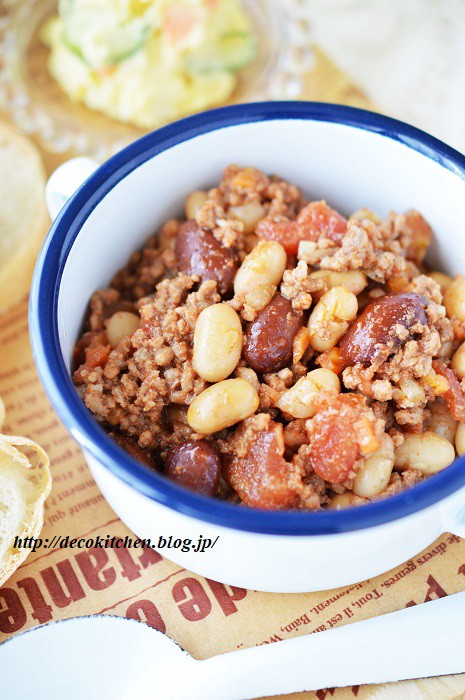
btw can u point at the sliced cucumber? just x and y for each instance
(100, 39)
(230, 53)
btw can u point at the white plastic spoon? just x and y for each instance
(110, 657)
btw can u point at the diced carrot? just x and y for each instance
(332, 359)
(179, 23)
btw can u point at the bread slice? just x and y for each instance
(25, 482)
(23, 214)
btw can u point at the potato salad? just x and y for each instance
(147, 62)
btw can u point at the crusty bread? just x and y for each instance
(25, 482)
(23, 214)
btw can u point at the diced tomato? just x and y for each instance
(315, 220)
(261, 477)
(91, 351)
(284, 232)
(337, 434)
(334, 447)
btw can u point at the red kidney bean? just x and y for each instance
(374, 329)
(198, 252)
(135, 450)
(268, 339)
(261, 478)
(196, 465)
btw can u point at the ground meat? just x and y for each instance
(399, 482)
(147, 267)
(410, 232)
(153, 369)
(361, 250)
(140, 386)
(427, 287)
(295, 433)
(298, 287)
(240, 441)
(103, 305)
(247, 311)
(118, 359)
(226, 231)
(413, 418)
(249, 192)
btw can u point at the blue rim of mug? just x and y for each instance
(43, 321)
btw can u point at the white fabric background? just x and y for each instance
(408, 55)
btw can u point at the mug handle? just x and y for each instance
(64, 182)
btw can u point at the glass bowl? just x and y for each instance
(38, 106)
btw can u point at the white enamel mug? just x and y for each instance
(351, 158)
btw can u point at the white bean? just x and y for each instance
(121, 325)
(249, 214)
(217, 342)
(454, 298)
(458, 361)
(460, 439)
(340, 501)
(427, 452)
(374, 476)
(263, 267)
(353, 280)
(330, 318)
(194, 202)
(222, 405)
(299, 400)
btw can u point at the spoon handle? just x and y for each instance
(416, 642)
